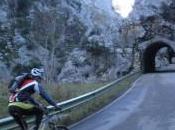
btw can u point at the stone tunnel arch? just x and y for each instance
(149, 50)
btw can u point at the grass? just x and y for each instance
(3, 100)
(68, 91)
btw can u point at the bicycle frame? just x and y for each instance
(51, 123)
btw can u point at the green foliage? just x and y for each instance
(75, 33)
(19, 8)
(17, 12)
(96, 50)
(8, 53)
(75, 4)
(3, 100)
(23, 26)
(30, 46)
(95, 31)
(2, 2)
(19, 68)
(167, 11)
(35, 62)
(54, 31)
(7, 48)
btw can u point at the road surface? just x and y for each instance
(148, 105)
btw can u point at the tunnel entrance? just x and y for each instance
(149, 50)
(150, 55)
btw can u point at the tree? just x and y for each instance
(48, 31)
(129, 33)
(54, 29)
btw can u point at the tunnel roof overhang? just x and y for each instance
(143, 46)
(149, 49)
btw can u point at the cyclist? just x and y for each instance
(21, 102)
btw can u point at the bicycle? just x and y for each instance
(49, 122)
(52, 125)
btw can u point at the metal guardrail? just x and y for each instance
(8, 123)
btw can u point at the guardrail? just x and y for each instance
(9, 124)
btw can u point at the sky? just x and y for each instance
(123, 7)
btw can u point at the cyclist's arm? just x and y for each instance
(46, 96)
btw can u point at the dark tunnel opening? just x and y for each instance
(148, 63)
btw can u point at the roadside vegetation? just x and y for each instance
(3, 100)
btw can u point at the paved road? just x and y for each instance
(149, 105)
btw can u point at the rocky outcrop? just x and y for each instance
(63, 36)
(84, 66)
(146, 8)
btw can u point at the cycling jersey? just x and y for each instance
(22, 105)
(25, 92)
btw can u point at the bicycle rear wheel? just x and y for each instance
(61, 127)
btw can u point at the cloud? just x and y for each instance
(123, 7)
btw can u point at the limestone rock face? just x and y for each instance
(74, 40)
(144, 8)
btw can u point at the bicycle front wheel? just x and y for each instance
(62, 128)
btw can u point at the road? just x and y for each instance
(148, 105)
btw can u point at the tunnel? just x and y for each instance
(149, 50)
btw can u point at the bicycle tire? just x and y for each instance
(61, 127)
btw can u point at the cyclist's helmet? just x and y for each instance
(35, 72)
